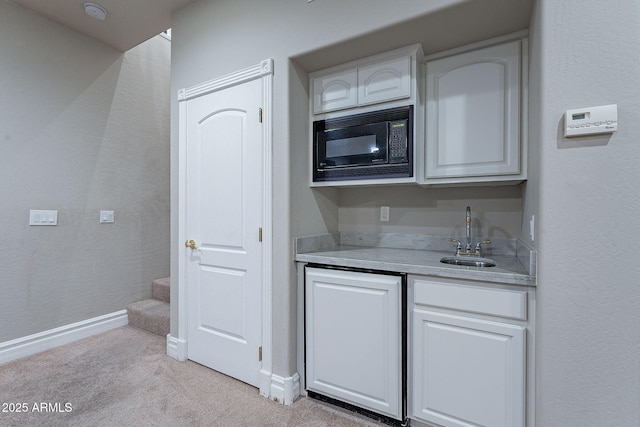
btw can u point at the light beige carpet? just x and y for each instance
(124, 378)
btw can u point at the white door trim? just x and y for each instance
(177, 346)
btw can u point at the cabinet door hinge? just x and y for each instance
(260, 114)
(260, 354)
(260, 234)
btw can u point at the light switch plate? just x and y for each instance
(107, 217)
(43, 217)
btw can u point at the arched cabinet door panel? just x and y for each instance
(473, 114)
(384, 81)
(335, 91)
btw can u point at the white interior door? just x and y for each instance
(224, 205)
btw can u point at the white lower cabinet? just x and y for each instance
(353, 338)
(468, 354)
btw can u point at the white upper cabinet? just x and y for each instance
(384, 81)
(382, 78)
(473, 116)
(335, 91)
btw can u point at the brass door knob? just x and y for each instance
(190, 244)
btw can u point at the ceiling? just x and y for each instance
(128, 23)
(464, 23)
(131, 22)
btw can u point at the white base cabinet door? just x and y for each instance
(353, 338)
(467, 371)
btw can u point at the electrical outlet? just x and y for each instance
(384, 213)
(532, 225)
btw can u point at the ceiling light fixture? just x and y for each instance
(95, 11)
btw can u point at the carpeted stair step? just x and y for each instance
(151, 315)
(161, 289)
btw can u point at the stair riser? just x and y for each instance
(155, 326)
(161, 289)
(150, 315)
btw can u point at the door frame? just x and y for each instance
(177, 346)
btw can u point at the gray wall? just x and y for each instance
(588, 347)
(82, 128)
(495, 211)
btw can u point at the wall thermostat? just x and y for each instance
(591, 120)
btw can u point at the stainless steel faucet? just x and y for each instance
(467, 250)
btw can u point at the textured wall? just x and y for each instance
(82, 128)
(495, 211)
(588, 353)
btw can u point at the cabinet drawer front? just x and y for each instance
(494, 302)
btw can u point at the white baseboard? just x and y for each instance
(32, 344)
(274, 387)
(176, 348)
(285, 390)
(265, 383)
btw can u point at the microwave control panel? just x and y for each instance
(591, 120)
(398, 141)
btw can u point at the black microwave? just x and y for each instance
(371, 145)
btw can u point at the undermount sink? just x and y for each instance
(468, 261)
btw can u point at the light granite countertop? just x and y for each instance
(417, 254)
